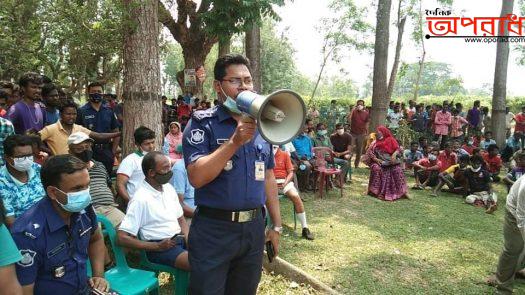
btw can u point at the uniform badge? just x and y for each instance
(60, 272)
(28, 258)
(229, 165)
(197, 136)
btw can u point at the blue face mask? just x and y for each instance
(76, 201)
(230, 104)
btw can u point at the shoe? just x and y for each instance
(307, 234)
(491, 209)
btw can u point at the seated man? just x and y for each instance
(284, 172)
(321, 138)
(512, 145)
(412, 155)
(129, 173)
(456, 147)
(453, 177)
(182, 185)
(426, 171)
(468, 145)
(479, 188)
(304, 152)
(60, 233)
(342, 143)
(20, 185)
(155, 215)
(447, 157)
(487, 141)
(515, 172)
(493, 161)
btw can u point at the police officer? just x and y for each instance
(230, 165)
(99, 117)
(58, 233)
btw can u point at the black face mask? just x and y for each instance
(95, 97)
(85, 156)
(163, 178)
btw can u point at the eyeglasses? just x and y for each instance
(237, 82)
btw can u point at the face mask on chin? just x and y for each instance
(230, 104)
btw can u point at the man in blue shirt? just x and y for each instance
(231, 167)
(51, 100)
(20, 186)
(96, 116)
(182, 185)
(304, 152)
(59, 233)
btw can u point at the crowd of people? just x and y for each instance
(213, 179)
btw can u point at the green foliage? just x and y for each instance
(436, 79)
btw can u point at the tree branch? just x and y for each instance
(178, 30)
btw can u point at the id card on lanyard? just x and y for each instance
(259, 165)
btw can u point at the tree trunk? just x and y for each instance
(253, 53)
(499, 93)
(423, 53)
(141, 85)
(379, 88)
(224, 46)
(400, 30)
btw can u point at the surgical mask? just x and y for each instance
(360, 107)
(23, 164)
(302, 167)
(95, 97)
(76, 201)
(432, 157)
(275, 148)
(475, 169)
(322, 132)
(340, 131)
(85, 156)
(163, 178)
(230, 104)
(470, 142)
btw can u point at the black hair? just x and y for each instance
(149, 161)
(94, 84)
(492, 147)
(30, 77)
(7, 85)
(488, 132)
(56, 166)
(476, 103)
(338, 125)
(143, 133)
(15, 140)
(414, 143)
(67, 104)
(3, 94)
(319, 125)
(360, 100)
(476, 159)
(223, 62)
(464, 158)
(47, 88)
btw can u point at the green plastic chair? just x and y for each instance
(122, 278)
(181, 278)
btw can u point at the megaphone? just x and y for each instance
(280, 116)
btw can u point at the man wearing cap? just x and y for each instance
(231, 167)
(56, 135)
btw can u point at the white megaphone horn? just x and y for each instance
(280, 116)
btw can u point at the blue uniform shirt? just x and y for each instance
(53, 257)
(103, 121)
(236, 187)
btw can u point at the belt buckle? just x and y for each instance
(244, 216)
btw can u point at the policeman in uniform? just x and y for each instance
(230, 165)
(97, 116)
(58, 233)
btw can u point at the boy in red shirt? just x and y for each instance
(493, 161)
(426, 171)
(447, 157)
(284, 173)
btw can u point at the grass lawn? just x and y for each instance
(421, 246)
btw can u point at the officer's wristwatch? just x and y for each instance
(278, 229)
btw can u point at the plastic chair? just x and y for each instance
(122, 278)
(181, 278)
(324, 173)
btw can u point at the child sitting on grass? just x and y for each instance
(426, 171)
(453, 177)
(479, 187)
(517, 171)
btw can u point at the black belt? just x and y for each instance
(233, 216)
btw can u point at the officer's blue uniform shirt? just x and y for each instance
(236, 187)
(53, 258)
(103, 121)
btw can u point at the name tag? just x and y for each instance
(259, 170)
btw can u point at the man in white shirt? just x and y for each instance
(155, 215)
(129, 173)
(513, 240)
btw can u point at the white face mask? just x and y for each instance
(340, 131)
(360, 107)
(476, 169)
(23, 164)
(432, 157)
(275, 148)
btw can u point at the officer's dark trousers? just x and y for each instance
(103, 154)
(225, 257)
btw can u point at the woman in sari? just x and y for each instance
(387, 181)
(172, 140)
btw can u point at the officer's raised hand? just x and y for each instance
(245, 130)
(99, 283)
